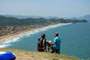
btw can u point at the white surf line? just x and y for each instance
(8, 41)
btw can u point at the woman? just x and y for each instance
(42, 43)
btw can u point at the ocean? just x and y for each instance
(75, 40)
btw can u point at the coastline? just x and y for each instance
(16, 36)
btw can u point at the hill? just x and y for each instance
(87, 17)
(27, 55)
(21, 17)
(12, 21)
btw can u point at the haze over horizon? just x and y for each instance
(45, 8)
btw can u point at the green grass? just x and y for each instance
(27, 55)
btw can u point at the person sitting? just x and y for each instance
(42, 43)
(56, 46)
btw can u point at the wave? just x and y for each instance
(10, 40)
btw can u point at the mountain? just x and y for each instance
(87, 17)
(22, 17)
(12, 21)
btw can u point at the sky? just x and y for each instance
(45, 8)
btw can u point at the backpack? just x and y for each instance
(39, 45)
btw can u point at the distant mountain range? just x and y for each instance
(87, 17)
(13, 21)
(22, 17)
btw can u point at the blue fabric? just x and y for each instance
(57, 42)
(6, 56)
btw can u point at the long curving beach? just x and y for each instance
(4, 41)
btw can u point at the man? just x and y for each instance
(56, 46)
(42, 43)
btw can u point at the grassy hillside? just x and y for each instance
(27, 55)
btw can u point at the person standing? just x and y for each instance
(57, 42)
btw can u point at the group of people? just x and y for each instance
(53, 47)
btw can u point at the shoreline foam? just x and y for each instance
(6, 42)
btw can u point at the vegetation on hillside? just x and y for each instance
(11, 21)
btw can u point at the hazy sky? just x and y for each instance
(59, 8)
